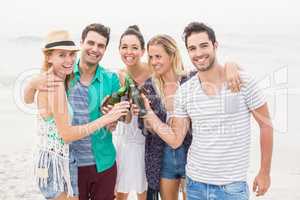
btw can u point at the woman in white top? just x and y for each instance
(130, 143)
(55, 131)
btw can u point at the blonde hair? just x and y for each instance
(170, 46)
(46, 66)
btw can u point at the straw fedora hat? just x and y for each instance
(60, 40)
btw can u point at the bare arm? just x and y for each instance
(43, 82)
(232, 76)
(262, 180)
(59, 108)
(173, 134)
(29, 93)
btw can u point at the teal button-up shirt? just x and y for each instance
(103, 84)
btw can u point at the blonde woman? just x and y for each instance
(54, 119)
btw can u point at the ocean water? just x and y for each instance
(271, 57)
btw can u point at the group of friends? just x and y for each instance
(195, 137)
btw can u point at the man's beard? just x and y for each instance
(210, 65)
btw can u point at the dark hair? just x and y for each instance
(134, 30)
(197, 27)
(98, 28)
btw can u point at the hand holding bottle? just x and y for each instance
(118, 110)
(135, 95)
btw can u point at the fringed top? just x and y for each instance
(53, 157)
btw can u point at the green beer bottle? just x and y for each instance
(115, 97)
(125, 93)
(121, 95)
(135, 95)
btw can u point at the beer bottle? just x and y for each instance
(135, 95)
(121, 95)
(115, 97)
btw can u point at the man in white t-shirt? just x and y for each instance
(218, 158)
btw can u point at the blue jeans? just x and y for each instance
(173, 163)
(202, 191)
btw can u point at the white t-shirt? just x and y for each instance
(219, 153)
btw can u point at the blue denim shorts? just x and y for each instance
(73, 166)
(173, 164)
(49, 191)
(232, 191)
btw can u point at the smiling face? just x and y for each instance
(159, 59)
(93, 48)
(62, 61)
(202, 51)
(130, 50)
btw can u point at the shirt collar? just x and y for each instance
(97, 76)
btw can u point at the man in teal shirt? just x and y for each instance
(85, 100)
(94, 155)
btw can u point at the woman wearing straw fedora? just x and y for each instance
(54, 118)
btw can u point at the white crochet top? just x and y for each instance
(53, 156)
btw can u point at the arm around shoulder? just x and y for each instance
(29, 92)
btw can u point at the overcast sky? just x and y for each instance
(32, 17)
